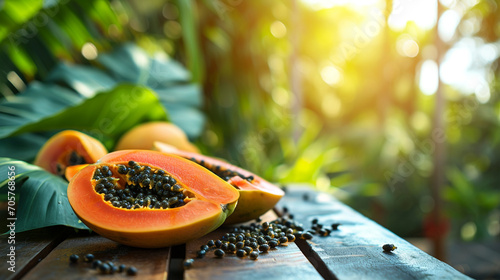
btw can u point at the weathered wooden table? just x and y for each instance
(354, 251)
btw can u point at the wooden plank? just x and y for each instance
(354, 251)
(30, 248)
(286, 262)
(480, 260)
(151, 263)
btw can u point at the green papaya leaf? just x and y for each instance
(163, 72)
(23, 147)
(127, 63)
(41, 197)
(83, 79)
(169, 79)
(40, 107)
(36, 102)
(188, 118)
(14, 13)
(105, 116)
(185, 94)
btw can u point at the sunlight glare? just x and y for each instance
(489, 52)
(448, 23)
(327, 4)
(448, 3)
(423, 13)
(465, 67)
(456, 62)
(331, 75)
(429, 77)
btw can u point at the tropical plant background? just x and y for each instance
(390, 105)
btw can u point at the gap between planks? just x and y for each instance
(32, 247)
(311, 255)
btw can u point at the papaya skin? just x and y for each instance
(213, 200)
(55, 153)
(144, 135)
(256, 197)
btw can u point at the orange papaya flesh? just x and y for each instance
(257, 195)
(143, 216)
(71, 171)
(68, 148)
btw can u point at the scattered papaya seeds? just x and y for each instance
(251, 240)
(88, 258)
(321, 230)
(219, 253)
(224, 174)
(389, 248)
(134, 186)
(104, 267)
(254, 255)
(96, 264)
(188, 263)
(74, 258)
(131, 271)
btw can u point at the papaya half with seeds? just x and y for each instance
(257, 195)
(150, 199)
(67, 148)
(144, 135)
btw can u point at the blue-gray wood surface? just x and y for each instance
(354, 251)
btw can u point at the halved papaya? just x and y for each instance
(150, 199)
(67, 148)
(257, 195)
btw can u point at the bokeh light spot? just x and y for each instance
(331, 75)
(172, 29)
(89, 51)
(483, 93)
(406, 46)
(281, 96)
(278, 29)
(468, 231)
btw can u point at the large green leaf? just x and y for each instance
(127, 63)
(185, 94)
(41, 197)
(83, 79)
(36, 102)
(106, 116)
(188, 118)
(14, 13)
(165, 76)
(38, 108)
(163, 73)
(23, 147)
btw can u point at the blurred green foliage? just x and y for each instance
(354, 120)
